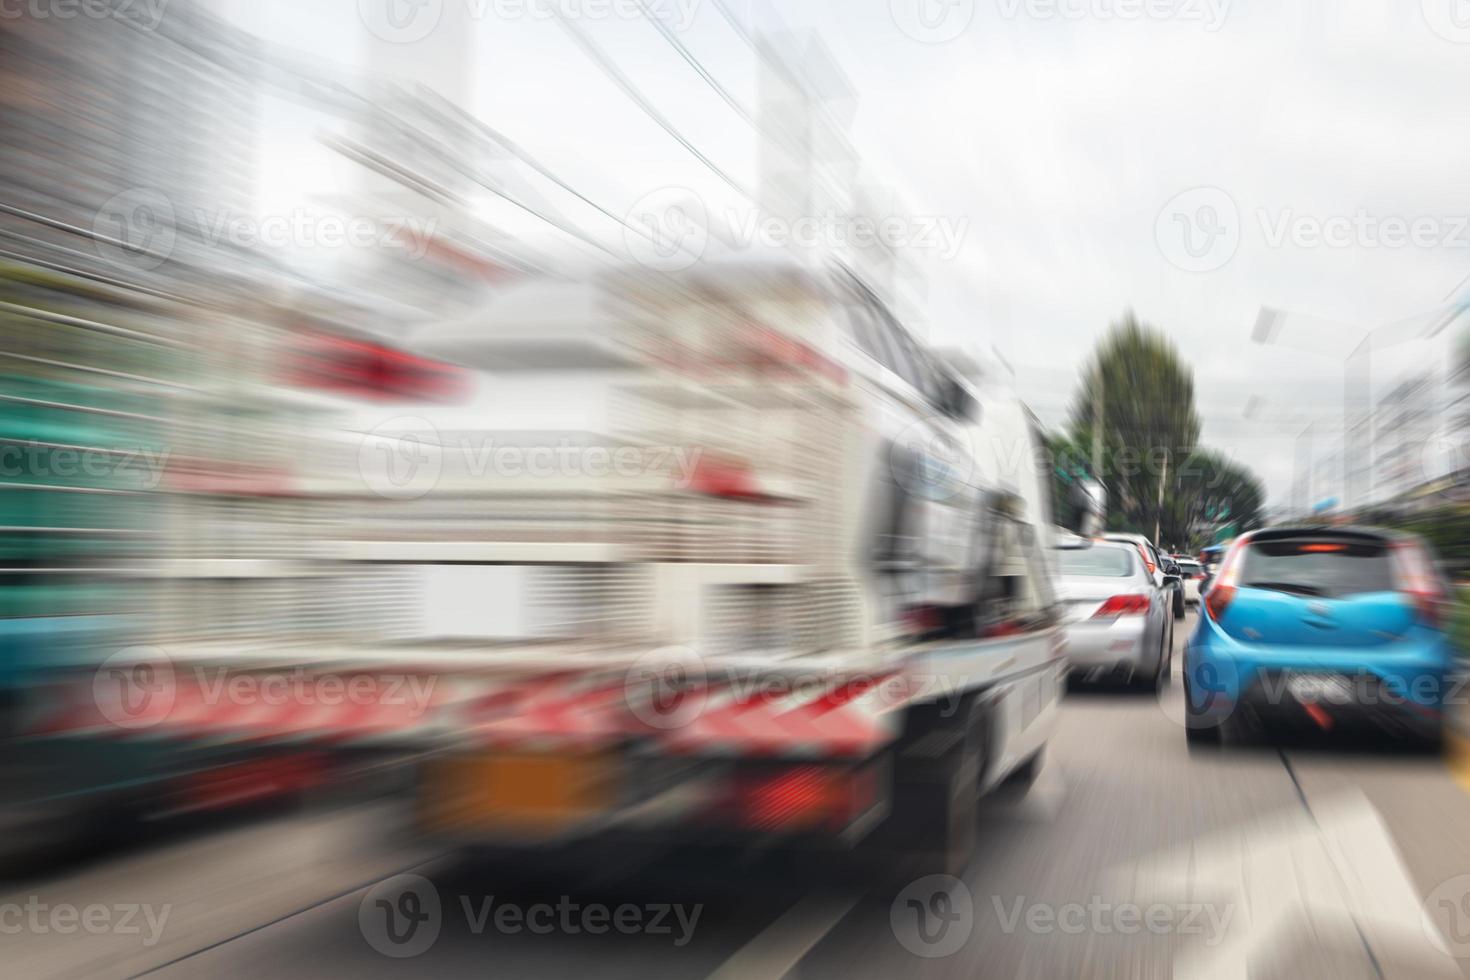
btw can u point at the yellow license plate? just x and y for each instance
(520, 792)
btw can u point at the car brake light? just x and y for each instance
(1122, 605)
(1222, 588)
(1418, 580)
(1323, 547)
(1217, 599)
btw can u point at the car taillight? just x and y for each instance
(1222, 587)
(1418, 580)
(1122, 605)
(1217, 599)
(365, 369)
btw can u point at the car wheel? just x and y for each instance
(1178, 604)
(1199, 730)
(1153, 681)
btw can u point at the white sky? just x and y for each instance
(1059, 139)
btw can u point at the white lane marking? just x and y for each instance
(776, 950)
(1289, 877)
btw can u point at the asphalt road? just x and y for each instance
(1131, 857)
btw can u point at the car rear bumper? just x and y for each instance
(1406, 684)
(1116, 645)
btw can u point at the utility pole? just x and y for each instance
(1098, 388)
(1159, 510)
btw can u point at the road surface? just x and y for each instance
(1131, 857)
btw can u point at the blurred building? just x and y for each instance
(1404, 421)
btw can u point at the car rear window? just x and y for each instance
(1098, 562)
(1318, 566)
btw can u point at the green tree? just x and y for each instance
(1149, 425)
(1210, 491)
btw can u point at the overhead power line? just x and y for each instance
(613, 72)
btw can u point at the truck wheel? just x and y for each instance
(936, 794)
(1025, 775)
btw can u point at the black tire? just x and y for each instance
(1199, 731)
(1432, 741)
(1024, 776)
(1178, 603)
(933, 825)
(1160, 677)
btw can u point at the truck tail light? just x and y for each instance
(802, 797)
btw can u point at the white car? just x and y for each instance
(1116, 616)
(1191, 573)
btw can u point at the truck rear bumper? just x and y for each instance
(538, 800)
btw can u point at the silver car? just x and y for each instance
(1118, 618)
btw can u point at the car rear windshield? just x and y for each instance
(1318, 566)
(1099, 562)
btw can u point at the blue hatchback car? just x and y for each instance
(1335, 627)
